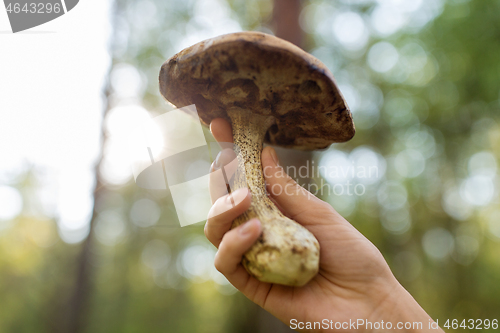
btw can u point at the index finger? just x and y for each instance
(222, 169)
(221, 173)
(221, 130)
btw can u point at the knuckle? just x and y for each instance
(223, 243)
(289, 181)
(291, 186)
(205, 229)
(325, 206)
(226, 245)
(215, 212)
(220, 201)
(326, 210)
(218, 263)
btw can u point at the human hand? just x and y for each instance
(354, 281)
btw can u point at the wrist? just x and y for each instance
(400, 312)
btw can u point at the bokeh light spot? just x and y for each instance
(11, 202)
(382, 57)
(145, 213)
(438, 243)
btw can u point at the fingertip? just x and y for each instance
(250, 229)
(214, 125)
(224, 158)
(267, 156)
(240, 195)
(255, 224)
(221, 130)
(231, 205)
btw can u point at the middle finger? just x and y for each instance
(223, 213)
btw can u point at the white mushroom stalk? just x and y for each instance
(286, 252)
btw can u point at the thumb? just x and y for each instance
(290, 196)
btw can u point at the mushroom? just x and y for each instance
(271, 91)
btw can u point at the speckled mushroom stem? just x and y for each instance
(248, 134)
(286, 252)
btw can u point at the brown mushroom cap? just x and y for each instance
(266, 75)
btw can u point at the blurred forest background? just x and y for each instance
(422, 80)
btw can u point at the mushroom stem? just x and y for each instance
(286, 252)
(248, 134)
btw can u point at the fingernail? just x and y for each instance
(274, 156)
(237, 196)
(247, 227)
(223, 158)
(217, 161)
